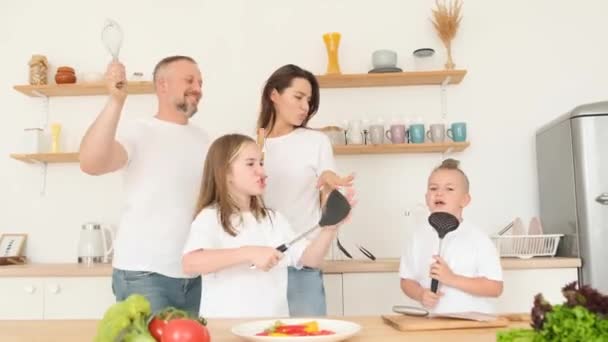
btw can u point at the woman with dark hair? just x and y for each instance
(300, 166)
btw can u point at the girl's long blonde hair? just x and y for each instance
(214, 186)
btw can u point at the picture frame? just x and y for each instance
(12, 245)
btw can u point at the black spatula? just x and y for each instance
(443, 223)
(335, 210)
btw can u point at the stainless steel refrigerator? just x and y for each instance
(572, 161)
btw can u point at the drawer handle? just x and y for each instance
(54, 289)
(29, 289)
(602, 199)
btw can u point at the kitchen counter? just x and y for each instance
(329, 267)
(373, 329)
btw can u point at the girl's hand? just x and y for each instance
(441, 271)
(429, 299)
(264, 258)
(329, 180)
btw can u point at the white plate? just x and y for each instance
(342, 329)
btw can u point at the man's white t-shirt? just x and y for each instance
(162, 181)
(240, 291)
(468, 252)
(293, 163)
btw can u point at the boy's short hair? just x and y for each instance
(453, 164)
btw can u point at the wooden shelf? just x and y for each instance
(391, 79)
(82, 89)
(71, 157)
(401, 148)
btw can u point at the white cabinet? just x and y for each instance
(55, 298)
(333, 294)
(520, 287)
(365, 294)
(372, 293)
(21, 298)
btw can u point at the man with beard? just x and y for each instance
(162, 158)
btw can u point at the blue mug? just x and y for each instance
(458, 132)
(416, 133)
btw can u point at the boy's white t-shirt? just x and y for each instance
(240, 291)
(162, 182)
(468, 252)
(293, 163)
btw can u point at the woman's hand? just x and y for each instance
(329, 180)
(441, 271)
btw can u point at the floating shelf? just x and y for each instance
(391, 79)
(71, 157)
(82, 89)
(402, 148)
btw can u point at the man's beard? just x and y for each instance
(187, 109)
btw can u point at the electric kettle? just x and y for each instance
(93, 245)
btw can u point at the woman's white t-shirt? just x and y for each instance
(468, 252)
(293, 163)
(240, 291)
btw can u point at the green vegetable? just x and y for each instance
(125, 321)
(582, 317)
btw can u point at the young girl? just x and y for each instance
(300, 163)
(468, 269)
(233, 230)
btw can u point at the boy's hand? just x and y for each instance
(441, 271)
(429, 299)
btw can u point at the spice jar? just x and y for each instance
(65, 74)
(38, 70)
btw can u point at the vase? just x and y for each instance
(332, 42)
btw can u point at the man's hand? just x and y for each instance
(115, 74)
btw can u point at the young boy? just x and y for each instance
(468, 269)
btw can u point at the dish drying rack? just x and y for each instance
(526, 246)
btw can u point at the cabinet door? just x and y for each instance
(372, 293)
(520, 287)
(21, 298)
(77, 298)
(333, 294)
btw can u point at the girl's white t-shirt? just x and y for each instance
(468, 252)
(293, 163)
(240, 291)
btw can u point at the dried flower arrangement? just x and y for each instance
(446, 19)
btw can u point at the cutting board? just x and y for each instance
(412, 323)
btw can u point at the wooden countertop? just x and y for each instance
(373, 329)
(329, 267)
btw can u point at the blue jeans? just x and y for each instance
(160, 290)
(305, 292)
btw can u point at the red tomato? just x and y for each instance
(157, 327)
(185, 330)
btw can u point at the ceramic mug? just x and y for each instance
(436, 133)
(376, 133)
(417, 133)
(458, 132)
(396, 134)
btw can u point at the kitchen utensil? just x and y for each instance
(443, 223)
(112, 36)
(412, 323)
(93, 243)
(336, 209)
(410, 310)
(506, 228)
(342, 249)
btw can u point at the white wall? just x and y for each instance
(527, 62)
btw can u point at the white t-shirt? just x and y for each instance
(468, 252)
(240, 291)
(293, 163)
(162, 181)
